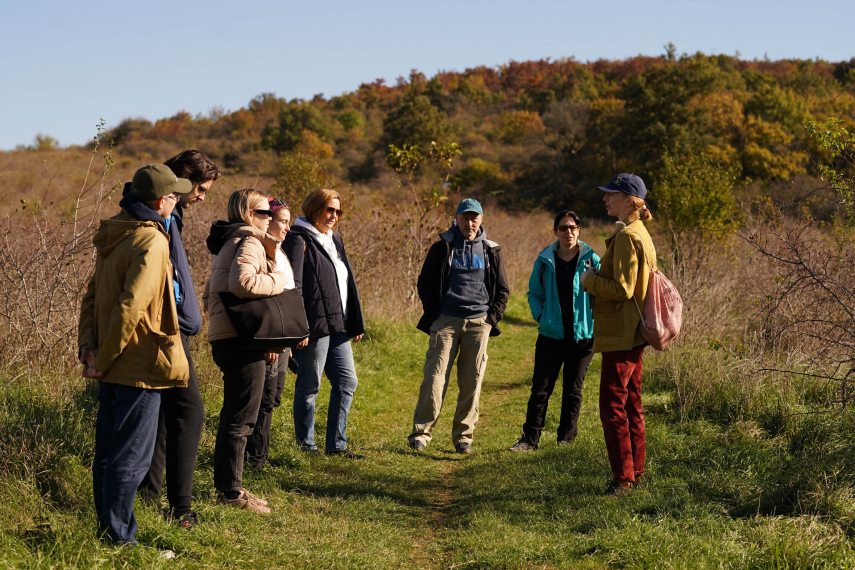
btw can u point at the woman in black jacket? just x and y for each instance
(323, 273)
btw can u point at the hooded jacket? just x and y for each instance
(314, 274)
(543, 295)
(433, 280)
(244, 264)
(621, 282)
(128, 314)
(189, 316)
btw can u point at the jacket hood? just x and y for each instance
(222, 231)
(138, 209)
(114, 231)
(585, 251)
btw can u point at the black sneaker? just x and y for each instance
(463, 448)
(346, 453)
(188, 520)
(523, 445)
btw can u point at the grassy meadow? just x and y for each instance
(704, 505)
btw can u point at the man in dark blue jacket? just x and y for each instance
(182, 411)
(464, 292)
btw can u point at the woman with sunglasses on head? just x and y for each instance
(562, 310)
(619, 289)
(322, 270)
(258, 443)
(248, 264)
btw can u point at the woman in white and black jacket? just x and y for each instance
(323, 273)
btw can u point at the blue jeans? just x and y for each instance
(125, 431)
(333, 355)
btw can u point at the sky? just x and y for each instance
(65, 65)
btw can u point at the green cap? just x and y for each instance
(154, 181)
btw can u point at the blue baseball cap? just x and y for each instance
(629, 184)
(470, 205)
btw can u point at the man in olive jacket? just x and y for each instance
(464, 291)
(130, 341)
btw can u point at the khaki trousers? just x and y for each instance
(452, 338)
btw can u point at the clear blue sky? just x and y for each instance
(66, 63)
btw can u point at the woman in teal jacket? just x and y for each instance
(562, 310)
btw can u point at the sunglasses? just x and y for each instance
(263, 212)
(337, 212)
(567, 228)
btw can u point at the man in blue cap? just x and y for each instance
(464, 290)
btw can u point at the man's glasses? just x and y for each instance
(267, 213)
(567, 228)
(336, 211)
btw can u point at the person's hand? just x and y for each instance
(271, 357)
(89, 370)
(586, 275)
(303, 343)
(357, 338)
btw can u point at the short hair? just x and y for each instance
(563, 214)
(194, 165)
(242, 201)
(641, 206)
(316, 202)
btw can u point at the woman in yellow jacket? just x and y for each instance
(619, 289)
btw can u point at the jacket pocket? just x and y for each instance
(169, 362)
(608, 317)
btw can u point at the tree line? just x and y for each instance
(540, 133)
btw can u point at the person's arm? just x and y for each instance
(86, 327)
(430, 274)
(246, 276)
(500, 302)
(536, 294)
(625, 264)
(295, 249)
(143, 280)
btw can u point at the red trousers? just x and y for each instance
(621, 413)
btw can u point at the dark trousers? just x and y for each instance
(125, 427)
(243, 384)
(179, 429)
(258, 443)
(621, 412)
(549, 356)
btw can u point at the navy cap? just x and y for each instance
(469, 205)
(629, 184)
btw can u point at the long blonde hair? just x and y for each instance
(241, 202)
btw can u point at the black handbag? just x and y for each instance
(271, 323)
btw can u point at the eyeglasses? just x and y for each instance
(336, 211)
(567, 228)
(267, 213)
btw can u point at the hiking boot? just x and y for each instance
(247, 502)
(522, 445)
(255, 497)
(618, 488)
(417, 445)
(346, 453)
(463, 448)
